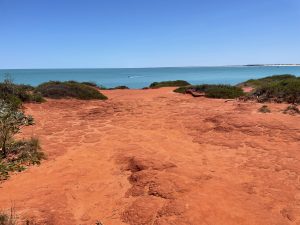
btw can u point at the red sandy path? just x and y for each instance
(156, 157)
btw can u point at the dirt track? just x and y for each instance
(156, 157)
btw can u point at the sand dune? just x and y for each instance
(157, 157)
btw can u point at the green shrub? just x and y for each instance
(214, 90)
(16, 155)
(14, 94)
(27, 152)
(255, 83)
(95, 85)
(26, 87)
(37, 97)
(224, 91)
(119, 87)
(11, 122)
(90, 83)
(264, 109)
(3, 171)
(69, 89)
(20, 154)
(287, 90)
(181, 90)
(102, 87)
(176, 83)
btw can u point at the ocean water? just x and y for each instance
(142, 77)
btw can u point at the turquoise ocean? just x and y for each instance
(142, 77)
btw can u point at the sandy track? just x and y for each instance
(156, 157)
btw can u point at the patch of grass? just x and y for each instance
(69, 89)
(292, 110)
(8, 218)
(176, 83)
(20, 155)
(264, 109)
(214, 90)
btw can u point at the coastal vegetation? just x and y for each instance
(279, 88)
(282, 91)
(20, 155)
(69, 89)
(119, 87)
(213, 91)
(176, 83)
(256, 83)
(15, 95)
(292, 110)
(264, 109)
(16, 155)
(90, 83)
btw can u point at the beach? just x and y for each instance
(159, 157)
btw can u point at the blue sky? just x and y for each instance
(147, 33)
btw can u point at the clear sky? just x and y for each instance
(147, 33)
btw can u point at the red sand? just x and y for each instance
(157, 157)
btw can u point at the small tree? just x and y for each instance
(11, 122)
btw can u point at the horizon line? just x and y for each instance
(154, 67)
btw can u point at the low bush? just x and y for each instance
(11, 121)
(182, 90)
(20, 155)
(15, 95)
(176, 83)
(255, 83)
(102, 87)
(292, 110)
(223, 91)
(37, 97)
(119, 87)
(214, 91)
(90, 83)
(15, 156)
(287, 90)
(264, 109)
(69, 89)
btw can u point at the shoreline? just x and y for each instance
(271, 65)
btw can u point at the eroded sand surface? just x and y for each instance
(156, 157)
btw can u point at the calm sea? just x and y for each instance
(142, 77)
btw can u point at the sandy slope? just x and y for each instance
(157, 157)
